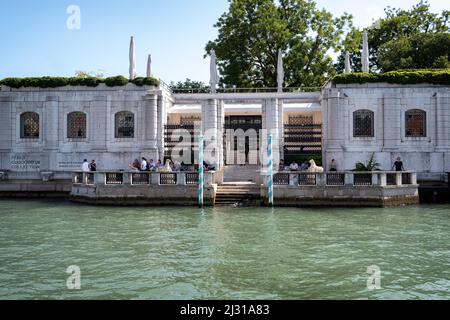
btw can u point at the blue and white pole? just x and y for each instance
(200, 171)
(270, 169)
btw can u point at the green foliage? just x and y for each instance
(437, 77)
(369, 166)
(397, 24)
(141, 81)
(118, 81)
(417, 51)
(252, 31)
(56, 82)
(189, 84)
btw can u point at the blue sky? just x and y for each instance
(37, 42)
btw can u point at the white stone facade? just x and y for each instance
(54, 151)
(428, 155)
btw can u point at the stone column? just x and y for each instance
(151, 124)
(50, 132)
(220, 133)
(281, 127)
(99, 114)
(162, 122)
(5, 126)
(443, 122)
(210, 131)
(391, 123)
(271, 124)
(334, 126)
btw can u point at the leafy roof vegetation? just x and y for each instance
(56, 82)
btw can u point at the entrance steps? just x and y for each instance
(246, 173)
(238, 194)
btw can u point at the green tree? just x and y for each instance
(396, 25)
(416, 52)
(189, 84)
(252, 31)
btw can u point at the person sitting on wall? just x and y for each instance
(333, 166)
(85, 166)
(176, 167)
(281, 165)
(144, 164)
(167, 167)
(93, 166)
(208, 167)
(158, 165)
(304, 166)
(135, 166)
(293, 166)
(398, 165)
(151, 165)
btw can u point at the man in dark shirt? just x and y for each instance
(398, 165)
(93, 166)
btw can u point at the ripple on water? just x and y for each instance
(222, 253)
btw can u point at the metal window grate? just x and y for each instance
(140, 179)
(191, 178)
(406, 178)
(124, 124)
(335, 179)
(29, 125)
(391, 179)
(416, 123)
(362, 179)
(114, 178)
(76, 125)
(307, 179)
(281, 179)
(363, 123)
(168, 178)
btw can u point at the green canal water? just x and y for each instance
(222, 253)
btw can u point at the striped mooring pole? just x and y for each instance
(270, 169)
(200, 171)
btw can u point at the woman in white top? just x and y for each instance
(85, 166)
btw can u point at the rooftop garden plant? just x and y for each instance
(437, 77)
(56, 82)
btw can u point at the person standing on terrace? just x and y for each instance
(398, 165)
(85, 166)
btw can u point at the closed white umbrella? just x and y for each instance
(214, 77)
(280, 71)
(132, 60)
(348, 66)
(149, 66)
(365, 53)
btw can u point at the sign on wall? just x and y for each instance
(25, 163)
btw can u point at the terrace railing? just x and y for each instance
(340, 179)
(247, 90)
(141, 178)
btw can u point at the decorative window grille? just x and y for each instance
(416, 123)
(301, 120)
(124, 125)
(76, 125)
(363, 124)
(29, 125)
(189, 121)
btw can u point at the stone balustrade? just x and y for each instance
(378, 188)
(121, 178)
(348, 178)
